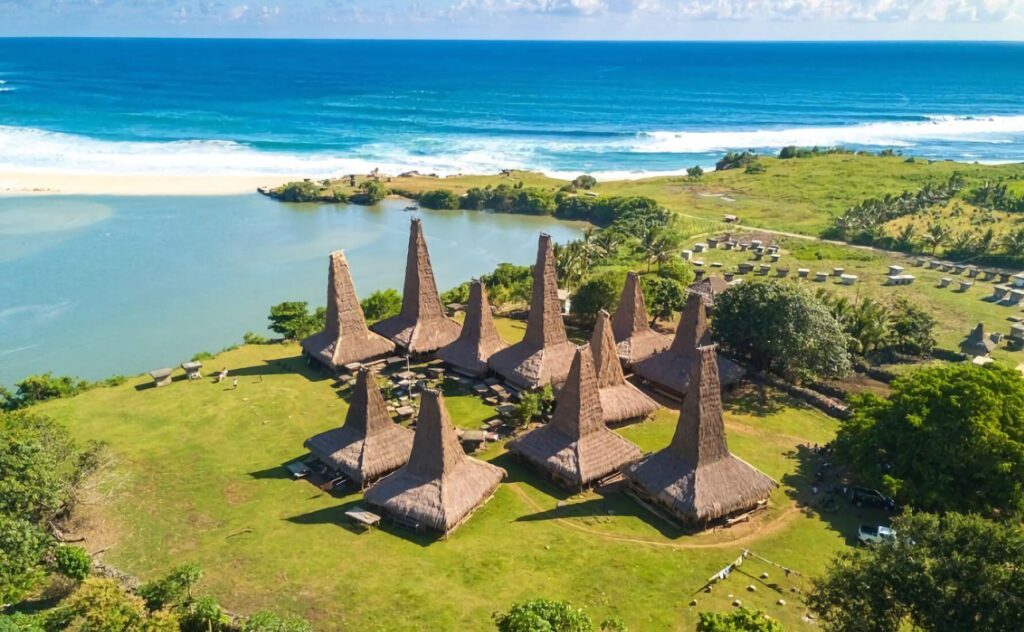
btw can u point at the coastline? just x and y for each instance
(13, 184)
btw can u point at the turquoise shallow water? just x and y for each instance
(95, 286)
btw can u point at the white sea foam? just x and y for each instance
(27, 149)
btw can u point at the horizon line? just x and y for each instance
(830, 40)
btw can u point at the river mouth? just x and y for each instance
(94, 286)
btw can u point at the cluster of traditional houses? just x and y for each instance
(424, 479)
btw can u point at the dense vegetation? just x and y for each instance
(996, 196)
(863, 223)
(948, 438)
(877, 330)
(954, 573)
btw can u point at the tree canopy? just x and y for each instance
(948, 438)
(781, 328)
(740, 620)
(954, 573)
(381, 304)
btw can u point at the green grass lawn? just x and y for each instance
(198, 478)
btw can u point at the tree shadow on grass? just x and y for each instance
(751, 399)
(827, 504)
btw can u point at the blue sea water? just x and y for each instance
(334, 107)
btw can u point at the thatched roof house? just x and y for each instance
(634, 337)
(479, 340)
(345, 338)
(421, 327)
(369, 445)
(696, 479)
(576, 448)
(978, 342)
(620, 400)
(708, 288)
(545, 353)
(669, 370)
(440, 486)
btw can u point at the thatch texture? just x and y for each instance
(696, 478)
(545, 353)
(620, 400)
(708, 288)
(440, 486)
(421, 327)
(670, 369)
(478, 340)
(634, 337)
(576, 448)
(345, 338)
(369, 445)
(978, 342)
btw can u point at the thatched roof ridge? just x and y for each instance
(545, 353)
(671, 368)
(440, 486)
(708, 288)
(978, 342)
(421, 326)
(479, 339)
(576, 447)
(369, 445)
(696, 477)
(345, 337)
(634, 337)
(620, 400)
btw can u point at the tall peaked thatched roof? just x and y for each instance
(544, 354)
(671, 368)
(440, 486)
(634, 337)
(709, 288)
(421, 327)
(576, 448)
(620, 400)
(369, 445)
(478, 340)
(696, 477)
(977, 342)
(345, 338)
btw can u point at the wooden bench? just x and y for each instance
(363, 518)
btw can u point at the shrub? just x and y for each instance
(584, 181)
(381, 304)
(172, 589)
(755, 167)
(202, 356)
(740, 620)
(266, 621)
(23, 546)
(542, 615)
(73, 562)
(439, 199)
(735, 160)
(695, 172)
(370, 192)
(300, 191)
(204, 615)
(40, 388)
(252, 338)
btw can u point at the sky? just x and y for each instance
(521, 19)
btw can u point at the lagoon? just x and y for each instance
(102, 285)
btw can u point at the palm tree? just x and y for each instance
(935, 236)
(607, 242)
(868, 326)
(905, 238)
(1013, 243)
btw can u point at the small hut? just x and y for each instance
(345, 338)
(478, 341)
(576, 449)
(440, 486)
(545, 353)
(631, 327)
(620, 400)
(421, 327)
(369, 445)
(696, 479)
(670, 370)
(708, 288)
(978, 343)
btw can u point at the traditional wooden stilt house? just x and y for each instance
(620, 400)
(478, 341)
(631, 327)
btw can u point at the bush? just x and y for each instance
(301, 191)
(439, 199)
(678, 271)
(252, 338)
(584, 181)
(204, 615)
(911, 328)
(735, 160)
(542, 615)
(172, 589)
(266, 621)
(40, 388)
(202, 356)
(370, 192)
(740, 620)
(695, 172)
(381, 304)
(755, 167)
(72, 562)
(23, 546)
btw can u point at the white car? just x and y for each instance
(869, 534)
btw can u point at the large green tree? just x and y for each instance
(954, 573)
(543, 615)
(948, 438)
(740, 620)
(381, 304)
(782, 329)
(293, 320)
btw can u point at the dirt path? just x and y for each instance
(760, 530)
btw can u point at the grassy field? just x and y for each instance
(198, 478)
(798, 195)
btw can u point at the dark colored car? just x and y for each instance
(866, 497)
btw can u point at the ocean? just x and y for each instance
(323, 108)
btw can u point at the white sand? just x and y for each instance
(39, 183)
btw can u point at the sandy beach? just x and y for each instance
(56, 183)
